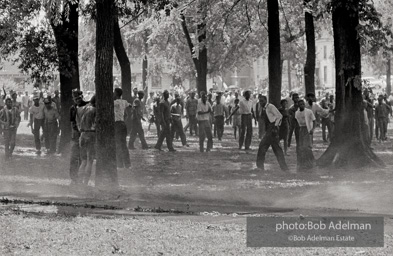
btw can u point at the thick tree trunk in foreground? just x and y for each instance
(309, 67)
(66, 36)
(388, 76)
(106, 170)
(289, 75)
(274, 61)
(349, 147)
(124, 62)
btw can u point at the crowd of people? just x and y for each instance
(206, 114)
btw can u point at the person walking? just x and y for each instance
(37, 122)
(235, 116)
(51, 116)
(284, 127)
(325, 123)
(75, 160)
(220, 112)
(120, 106)
(259, 119)
(191, 112)
(177, 126)
(137, 116)
(245, 109)
(272, 118)
(9, 120)
(203, 110)
(87, 141)
(26, 105)
(382, 117)
(306, 120)
(165, 119)
(293, 125)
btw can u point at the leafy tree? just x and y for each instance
(44, 47)
(217, 35)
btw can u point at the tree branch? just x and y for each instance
(188, 38)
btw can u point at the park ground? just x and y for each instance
(180, 203)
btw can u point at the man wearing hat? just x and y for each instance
(75, 160)
(137, 116)
(51, 116)
(36, 121)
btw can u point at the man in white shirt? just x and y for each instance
(122, 154)
(306, 120)
(203, 110)
(272, 118)
(245, 109)
(25, 104)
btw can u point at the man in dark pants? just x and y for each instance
(245, 109)
(191, 108)
(293, 125)
(75, 149)
(220, 112)
(137, 116)
(37, 122)
(165, 112)
(51, 115)
(177, 126)
(120, 106)
(272, 120)
(204, 109)
(10, 120)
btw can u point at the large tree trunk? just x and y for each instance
(66, 36)
(349, 147)
(388, 76)
(124, 62)
(289, 75)
(274, 61)
(309, 67)
(106, 171)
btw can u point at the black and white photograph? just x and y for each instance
(196, 127)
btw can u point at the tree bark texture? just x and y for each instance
(124, 62)
(66, 37)
(200, 61)
(309, 68)
(289, 75)
(106, 170)
(274, 60)
(349, 147)
(388, 76)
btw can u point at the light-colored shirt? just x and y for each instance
(176, 111)
(203, 108)
(25, 101)
(318, 110)
(245, 106)
(305, 118)
(120, 106)
(220, 110)
(273, 114)
(37, 112)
